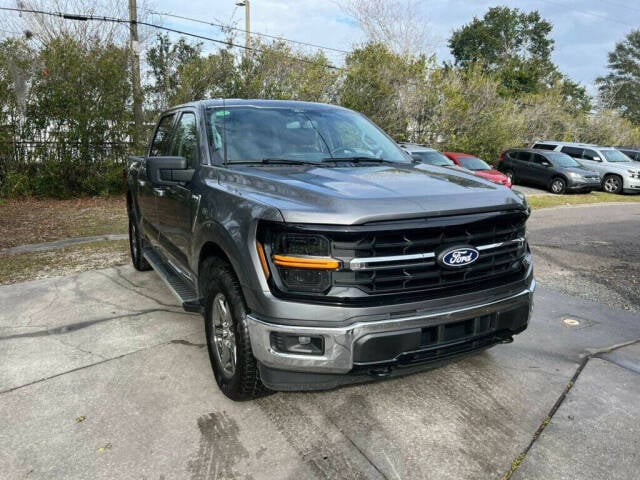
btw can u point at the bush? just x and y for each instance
(64, 180)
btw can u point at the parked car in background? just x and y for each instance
(427, 155)
(479, 167)
(631, 152)
(618, 172)
(555, 171)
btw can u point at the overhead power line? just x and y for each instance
(98, 18)
(242, 30)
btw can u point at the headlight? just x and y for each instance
(522, 197)
(574, 175)
(302, 262)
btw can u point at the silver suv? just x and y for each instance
(618, 172)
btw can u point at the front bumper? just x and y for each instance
(401, 341)
(631, 184)
(575, 185)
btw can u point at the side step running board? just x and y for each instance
(176, 283)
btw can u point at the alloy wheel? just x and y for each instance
(223, 336)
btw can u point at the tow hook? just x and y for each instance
(380, 372)
(508, 339)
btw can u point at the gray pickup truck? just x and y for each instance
(318, 253)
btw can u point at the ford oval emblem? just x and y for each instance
(458, 257)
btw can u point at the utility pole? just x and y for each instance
(247, 25)
(135, 72)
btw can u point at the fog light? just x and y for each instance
(301, 345)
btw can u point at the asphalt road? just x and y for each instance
(591, 251)
(101, 376)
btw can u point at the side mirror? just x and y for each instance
(169, 170)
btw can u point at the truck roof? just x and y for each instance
(255, 102)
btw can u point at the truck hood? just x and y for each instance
(359, 194)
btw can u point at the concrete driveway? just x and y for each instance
(101, 376)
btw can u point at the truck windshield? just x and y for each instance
(251, 134)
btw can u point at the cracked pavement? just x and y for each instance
(103, 376)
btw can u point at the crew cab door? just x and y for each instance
(147, 191)
(174, 203)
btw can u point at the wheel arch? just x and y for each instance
(215, 246)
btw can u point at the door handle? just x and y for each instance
(159, 192)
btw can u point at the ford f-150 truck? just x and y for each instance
(318, 253)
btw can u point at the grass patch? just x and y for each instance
(31, 220)
(64, 261)
(546, 201)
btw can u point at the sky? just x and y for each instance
(584, 31)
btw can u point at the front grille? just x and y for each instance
(498, 236)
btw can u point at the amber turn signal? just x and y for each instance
(263, 259)
(315, 263)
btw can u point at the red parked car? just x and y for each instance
(479, 167)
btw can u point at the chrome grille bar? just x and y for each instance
(399, 261)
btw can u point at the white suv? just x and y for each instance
(617, 171)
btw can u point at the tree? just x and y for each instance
(385, 86)
(213, 76)
(511, 44)
(621, 87)
(398, 24)
(275, 70)
(166, 60)
(82, 105)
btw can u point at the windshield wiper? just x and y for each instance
(276, 161)
(356, 160)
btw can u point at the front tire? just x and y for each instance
(135, 246)
(234, 366)
(612, 184)
(558, 186)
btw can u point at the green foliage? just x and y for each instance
(384, 85)
(166, 61)
(213, 76)
(513, 45)
(621, 87)
(276, 71)
(77, 95)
